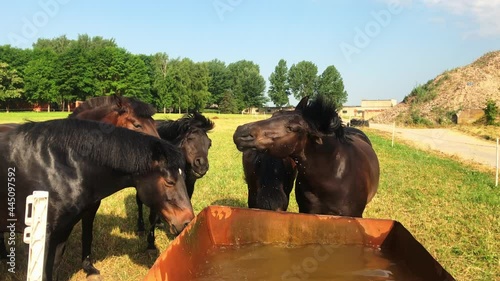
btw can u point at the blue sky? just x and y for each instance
(382, 48)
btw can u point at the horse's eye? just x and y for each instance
(170, 183)
(289, 129)
(137, 125)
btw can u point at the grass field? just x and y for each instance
(450, 207)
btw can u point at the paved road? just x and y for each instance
(447, 141)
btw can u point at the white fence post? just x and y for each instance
(35, 232)
(496, 177)
(393, 132)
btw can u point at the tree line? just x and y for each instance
(60, 71)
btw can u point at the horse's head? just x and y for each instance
(123, 112)
(286, 133)
(190, 134)
(135, 115)
(164, 187)
(195, 146)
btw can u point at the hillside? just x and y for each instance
(463, 88)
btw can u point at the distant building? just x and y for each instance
(265, 110)
(367, 110)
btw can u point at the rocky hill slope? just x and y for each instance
(463, 88)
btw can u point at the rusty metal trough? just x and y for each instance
(218, 226)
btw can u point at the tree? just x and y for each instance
(179, 82)
(74, 74)
(40, 82)
(136, 79)
(278, 88)
(331, 86)
(16, 58)
(247, 84)
(219, 80)
(11, 84)
(228, 103)
(490, 112)
(199, 93)
(159, 66)
(302, 79)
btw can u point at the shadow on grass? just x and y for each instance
(231, 202)
(114, 236)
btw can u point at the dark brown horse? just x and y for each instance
(269, 180)
(123, 112)
(80, 162)
(189, 133)
(338, 172)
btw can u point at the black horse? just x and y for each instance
(80, 162)
(337, 171)
(189, 133)
(125, 112)
(269, 180)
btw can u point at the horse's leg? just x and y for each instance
(3, 250)
(153, 218)
(88, 217)
(55, 250)
(190, 180)
(140, 220)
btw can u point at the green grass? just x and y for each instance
(450, 207)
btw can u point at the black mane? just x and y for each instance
(116, 103)
(321, 115)
(114, 147)
(174, 131)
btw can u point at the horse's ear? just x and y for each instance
(302, 104)
(317, 139)
(121, 107)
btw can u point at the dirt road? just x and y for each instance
(447, 141)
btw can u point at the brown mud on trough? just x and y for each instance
(226, 243)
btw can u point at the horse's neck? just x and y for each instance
(108, 182)
(329, 151)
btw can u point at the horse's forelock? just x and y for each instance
(321, 115)
(142, 109)
(201, 122)
(116, 103)
(112, 102)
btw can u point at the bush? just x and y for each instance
(490, 112)
(421, 93)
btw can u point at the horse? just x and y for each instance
(359, 123)
(189, 133)
(337, 172)
(269, 180)
(4, 127)
(119, 111)
(80, 162)
(123, 112)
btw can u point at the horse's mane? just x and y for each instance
(114, 147)
(175, 130)
(321, 115)
(116, 103)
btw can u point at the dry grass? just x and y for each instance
(490, 133)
